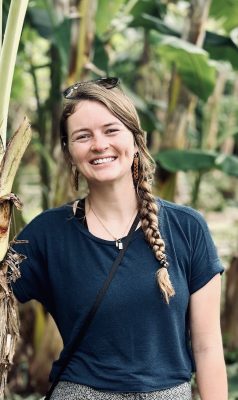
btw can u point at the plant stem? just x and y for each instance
(8, 169)
(195, 190)
(8, 59)
(81, 57)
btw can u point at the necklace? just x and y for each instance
(118, 241)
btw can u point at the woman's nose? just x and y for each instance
(99, 144)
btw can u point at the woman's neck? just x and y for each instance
(113, 202)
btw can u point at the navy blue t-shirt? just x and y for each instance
(136, 343)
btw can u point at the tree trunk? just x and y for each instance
(181, 103)
(212, 111)
(9, 327)
(228, 146)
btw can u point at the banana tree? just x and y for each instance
(181, 101)
(176, 71)
(10, 156)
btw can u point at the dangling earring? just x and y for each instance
(76, 179)
(136, 167)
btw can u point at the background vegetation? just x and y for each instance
(178, 60)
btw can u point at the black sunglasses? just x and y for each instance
(72, 91)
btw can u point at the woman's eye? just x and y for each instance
(81, 138)
(111, 131)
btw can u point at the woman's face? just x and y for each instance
(100, 145)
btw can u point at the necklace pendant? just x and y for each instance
(119, 244)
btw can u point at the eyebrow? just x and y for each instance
(103, 126)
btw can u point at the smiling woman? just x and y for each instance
(101, 147)
(160, 316)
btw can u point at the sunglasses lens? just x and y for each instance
(109, 83)
(67, 92)
(72, 92)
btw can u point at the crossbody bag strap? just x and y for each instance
(80, 335)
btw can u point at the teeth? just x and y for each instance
(103, 160)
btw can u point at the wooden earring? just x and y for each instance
(136, 167)
(76, 180)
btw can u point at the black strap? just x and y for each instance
(80, 335)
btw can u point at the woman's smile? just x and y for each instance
(103, 160)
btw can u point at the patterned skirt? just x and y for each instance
(74, 391)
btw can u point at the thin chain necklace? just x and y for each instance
(119, 243)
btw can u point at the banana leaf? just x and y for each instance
(193, 64)
(197, 160)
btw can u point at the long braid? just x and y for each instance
(148, 210)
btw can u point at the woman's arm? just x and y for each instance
(207, 341)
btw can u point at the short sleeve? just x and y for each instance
(33, 281)
(205, 263)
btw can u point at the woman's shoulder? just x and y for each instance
(54, 213)
(50, 219)
(181, 212)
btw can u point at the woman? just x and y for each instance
(166, 292)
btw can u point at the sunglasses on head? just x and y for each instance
(72, 91)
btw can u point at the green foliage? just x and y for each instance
(221, 48)
(233, 381)
(61, 40)
(100, 58)
(56, 31)
(151, 7)
(18, 84)
(197, 160)
(106, 11)
(5, 10)
(151, 22)
(226, 12)
(197, 70)
(148, 119)
(192, 63)
(40, 20)
(186, 160)
(227, 164)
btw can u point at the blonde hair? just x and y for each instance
(122, 107)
